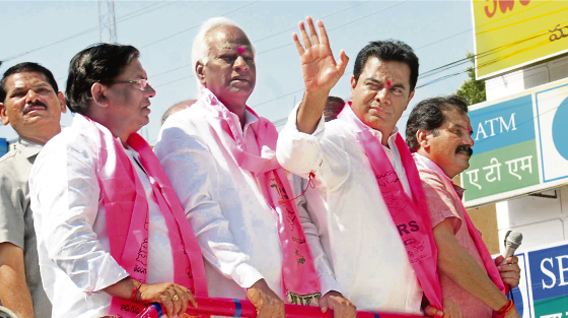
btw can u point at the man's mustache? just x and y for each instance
(37, 103)
(465, 148)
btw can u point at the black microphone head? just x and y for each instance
(514, 239)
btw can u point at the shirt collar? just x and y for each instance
(459, 190)
(379, 135)
(250, 120)
(28, 148)
(212, 102)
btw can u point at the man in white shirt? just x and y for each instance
(112, 236)
(253, 242)
(372, 230)
(32, 104)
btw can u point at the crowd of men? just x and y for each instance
(337, 211)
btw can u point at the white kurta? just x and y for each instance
(70, 223)
(349, 222)
(236, 228)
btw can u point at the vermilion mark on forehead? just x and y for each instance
(389, 84)
(241, 49)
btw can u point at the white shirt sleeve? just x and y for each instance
(66, 192)
(193, 173)
(301, 154)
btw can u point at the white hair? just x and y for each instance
(200, 49)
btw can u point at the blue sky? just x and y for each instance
(439, 31)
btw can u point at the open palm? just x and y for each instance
(320, 71)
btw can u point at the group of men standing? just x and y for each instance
(378, 228)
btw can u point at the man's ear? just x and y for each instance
(98, 93)
(200, 72)
(61, 98)
(409, 99)
(423, 138)
(4, 115)
(353, 85)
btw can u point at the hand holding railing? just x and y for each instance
(243, 308)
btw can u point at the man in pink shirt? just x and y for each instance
(438, 133)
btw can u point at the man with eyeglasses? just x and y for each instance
(112, 235)
(31, 103)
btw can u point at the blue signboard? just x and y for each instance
(3, 146)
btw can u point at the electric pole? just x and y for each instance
(107, 22)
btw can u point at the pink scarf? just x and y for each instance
(300, 279)
(427, 164)
(411, 217)
(126, 207)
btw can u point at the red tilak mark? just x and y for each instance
(389, 83)
(241, 50)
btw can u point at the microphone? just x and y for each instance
(513, 240)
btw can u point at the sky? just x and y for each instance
(52, 32)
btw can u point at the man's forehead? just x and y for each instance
(226, 36)
(134, 67)
(380, 69)
(22, 79)
(457, 118)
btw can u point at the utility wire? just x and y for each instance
(267, 37)
(285, 45)
(339, 26)
(121, 19)
(196, 25)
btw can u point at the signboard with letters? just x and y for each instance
(521, 145)
(512, 33)
(543, 289)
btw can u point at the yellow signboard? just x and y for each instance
(513, 33)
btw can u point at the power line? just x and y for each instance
(339, 26)
(121, 19)
(289, 44)
(195, 26)
(322, 17)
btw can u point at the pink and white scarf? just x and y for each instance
(300, 279)
(425, 163)
(410, 215)
(126, 207)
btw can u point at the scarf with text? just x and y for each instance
(410, 215)
(127, 214)
(300, 279)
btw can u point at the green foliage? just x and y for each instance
(472, 90)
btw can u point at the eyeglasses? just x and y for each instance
(143, 83)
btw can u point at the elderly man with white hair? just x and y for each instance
(248, 225)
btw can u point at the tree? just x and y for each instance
(472, 90)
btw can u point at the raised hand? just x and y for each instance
(320, 73)
(319, 69)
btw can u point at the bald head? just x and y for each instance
(176, 108)
(230, 70)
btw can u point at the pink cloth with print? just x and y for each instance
(444, 200)
(300, 279)
(410, 215)
(126, 207)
